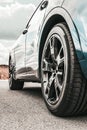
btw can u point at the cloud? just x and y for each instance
(13, 19)
(6, 1)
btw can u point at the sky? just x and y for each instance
(14, 15)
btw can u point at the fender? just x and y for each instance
(73, 30)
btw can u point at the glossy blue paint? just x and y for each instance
(78, 11)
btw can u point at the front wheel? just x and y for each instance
(63, 84)
(13, 83)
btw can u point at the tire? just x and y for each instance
(63, 84)
(13, 83)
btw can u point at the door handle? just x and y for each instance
(25, 31)
(44, 5)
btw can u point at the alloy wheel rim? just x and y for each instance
(53, 69)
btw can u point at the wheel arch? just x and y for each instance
(12, 57)
(55, 16)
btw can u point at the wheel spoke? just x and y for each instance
(47, 66)
(60, 73)
(48, 85)
(60, 59)
(51, 79)
(52, 42)
(56, 90)
(60, 50)
(58, 85)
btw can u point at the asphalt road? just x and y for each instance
(25, 110)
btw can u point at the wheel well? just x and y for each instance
(55, 19)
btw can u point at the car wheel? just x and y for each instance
(63, 84)
(13, 83)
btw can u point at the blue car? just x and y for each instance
(52, 50)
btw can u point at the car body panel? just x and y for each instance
(27, 55)
(78, 11)
(32, 40)
(33, 35)
(23, 46)
(19, 53)
(74, 33)
(69, 21)
(27, 46)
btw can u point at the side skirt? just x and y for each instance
(30, 76)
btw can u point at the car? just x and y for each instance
(52, 50)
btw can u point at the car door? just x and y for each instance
(20, 47)
(19, 51)
(32, 39)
